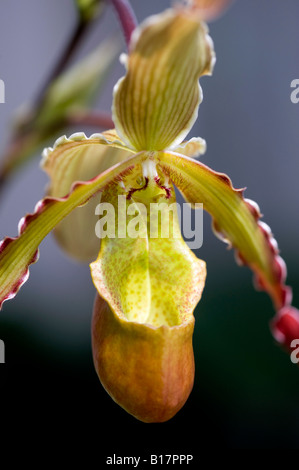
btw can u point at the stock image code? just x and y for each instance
(152, 459)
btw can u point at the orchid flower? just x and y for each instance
(147, 287)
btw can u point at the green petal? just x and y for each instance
(156, 103)
(16, 254)
(154, 278)
(80, 160)
(235, 220)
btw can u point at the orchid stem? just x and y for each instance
(126, 17)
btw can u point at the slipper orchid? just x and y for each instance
(147, 287)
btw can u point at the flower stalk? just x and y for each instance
(126, 17)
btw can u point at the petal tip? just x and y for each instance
(285, 326)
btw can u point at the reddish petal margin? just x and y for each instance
(17, 254)
(285, 327)
(235, 221)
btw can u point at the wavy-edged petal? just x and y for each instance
(80, 159)
(235, 220)
(156, 103)
(16, 254)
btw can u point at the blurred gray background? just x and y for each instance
(252, 132)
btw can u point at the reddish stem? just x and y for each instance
(126, 17)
